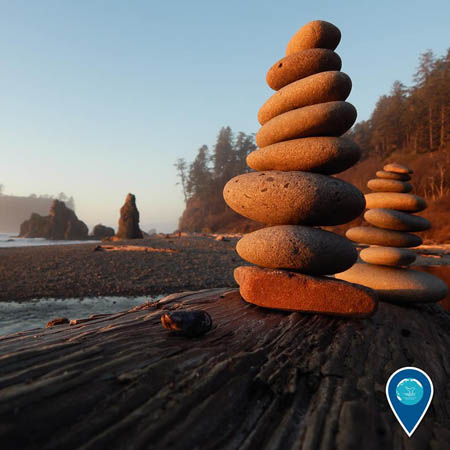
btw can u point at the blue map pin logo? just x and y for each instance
(409, 391)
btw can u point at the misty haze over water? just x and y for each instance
(11, 240)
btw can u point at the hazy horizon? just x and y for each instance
(101, 98)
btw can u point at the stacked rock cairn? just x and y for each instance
(385, 265)
(292, 191)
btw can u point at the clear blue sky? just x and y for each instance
(100, 97)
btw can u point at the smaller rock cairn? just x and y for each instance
(389, 210)
(291, 191)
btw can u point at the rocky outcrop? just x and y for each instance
(101, 231)
(35, 226)
(129, 220)
(61, 224)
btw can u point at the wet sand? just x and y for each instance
(69, 271)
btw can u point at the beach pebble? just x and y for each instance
(397, 168)
(396, 220)
(191, 323)
(394, 200)
(384, 185)
(327, 155)
(323, 119)
(57, 321)
(300, 65)
(285, 290)
(388, 256)
(395, 284)
(392, 176)
(315, 34)
(378, 236)
(293, 198)
(305, 249)
(318, 88)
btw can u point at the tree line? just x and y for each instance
(414, 118)
(202, 181)
(209, 171)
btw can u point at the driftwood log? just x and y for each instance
(258, 380)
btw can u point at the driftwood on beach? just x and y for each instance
(259, 379)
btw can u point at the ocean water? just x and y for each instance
(10, 240)
(21, 316)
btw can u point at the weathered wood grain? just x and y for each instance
(259, 379)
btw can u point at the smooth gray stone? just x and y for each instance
(388, 256)
(395, 284)
(378, 236)
(396, 220)
(304, 249)
(293, 198)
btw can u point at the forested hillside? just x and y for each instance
(410, 125)
(203, 180)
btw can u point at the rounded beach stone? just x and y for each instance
(383, 185)
(293, 198)
(318, 88)
(305, 249)
(323, 119)
(394, 284)
(388, 256)
(396, 220)
(300, 65)
(377, 236)
(394, 200)
(393, 176)
(315, 34)
(327, 155)
(397, 168)
(280, 289)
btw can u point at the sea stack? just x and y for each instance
(385, 262)
(129, 220)
(292, 191)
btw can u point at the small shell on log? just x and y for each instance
(188, 323)
(57, 321)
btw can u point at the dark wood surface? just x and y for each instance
(259, 379)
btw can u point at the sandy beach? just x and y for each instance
(167, 265)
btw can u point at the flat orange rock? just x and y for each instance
(281, 289)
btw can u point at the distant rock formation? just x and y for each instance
(35, 226)
(129, 220)
(101, 231)
(61, 224)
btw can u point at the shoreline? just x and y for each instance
(159, 265)
(77, 271)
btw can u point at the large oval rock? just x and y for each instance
(324, 119)
(388, 238)
(393, 200)
(315, 34)
(293, 198)
(396, 220)
(318, 88)
(300, 65)
(397, 168)
(305, 249)
(281, 289)
(327, 155)
(394, 284)
(388, 256)
(392, 175)
(381, 185)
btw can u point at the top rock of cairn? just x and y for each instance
(299, 146)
